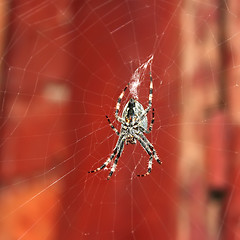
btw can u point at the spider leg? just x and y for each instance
(149, 168)
(106, 163)
(116, 159)
(110, 124)
(121, 120)
(151, 147)
(140, 118)
(150, 99)
(151, 124)
(147, 149)
(116, 149)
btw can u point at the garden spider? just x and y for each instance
(133, 126)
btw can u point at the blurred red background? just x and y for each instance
(64, 65)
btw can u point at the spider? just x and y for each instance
(133, 126)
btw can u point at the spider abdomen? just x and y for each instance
(132, 111)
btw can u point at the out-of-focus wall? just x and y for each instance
(202, 120)
(209, 157)
(231, 70)
(34, 97)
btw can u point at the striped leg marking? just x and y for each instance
(151, 147)
(106, 163)
(147, 149)
(116, 160)
(150, 99)
(116, 149)
(113, 128)
(150, 95)
(119, 103)
(150, 90)
(151, 124)
(149, 168)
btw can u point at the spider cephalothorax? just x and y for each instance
(133, 126)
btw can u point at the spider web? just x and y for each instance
(64, 65)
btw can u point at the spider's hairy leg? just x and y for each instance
(149, 100)
(110, 124)
(149, 168)
(107, 162)
(119, 103)
(155, 155)
(151, 124)
(116, 149)
(147, 149)
(150, 95)
(116, 160)
(150, 89)
(151, 147)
